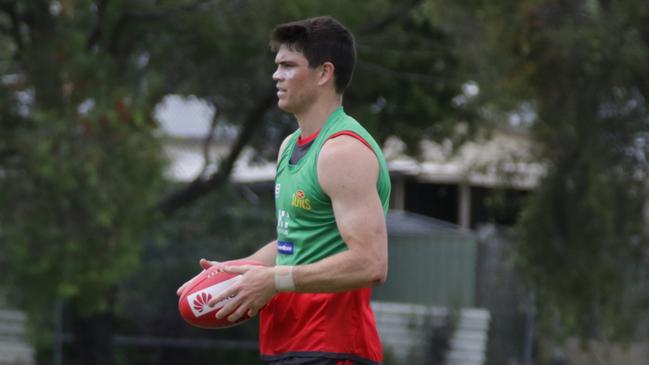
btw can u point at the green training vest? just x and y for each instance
(306, 226)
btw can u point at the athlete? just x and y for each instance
(331, 192)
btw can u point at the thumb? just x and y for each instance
(206, 264)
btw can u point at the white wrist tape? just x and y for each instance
(284, 278)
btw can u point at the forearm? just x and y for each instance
(344, 271)
(265, 254)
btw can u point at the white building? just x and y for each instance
(456, 185)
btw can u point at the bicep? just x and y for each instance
(361, 221)
(352, 188)
(265, 254)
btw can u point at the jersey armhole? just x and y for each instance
(291, 138)
(354, 135)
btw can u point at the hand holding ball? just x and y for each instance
(196, 294)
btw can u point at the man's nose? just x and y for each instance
(277, 75)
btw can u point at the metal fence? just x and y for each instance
(13, 348)
(415, 334)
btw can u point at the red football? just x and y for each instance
(205, 286)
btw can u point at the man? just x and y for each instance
(332, 190)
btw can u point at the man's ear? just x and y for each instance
(326, 73)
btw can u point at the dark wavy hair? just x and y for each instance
(321, 39)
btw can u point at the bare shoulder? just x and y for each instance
(346, 163)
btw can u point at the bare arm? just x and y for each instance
(266, 254)
(359, 215)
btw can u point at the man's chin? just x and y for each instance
(283, 106)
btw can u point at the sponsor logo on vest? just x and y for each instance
(286, 248)
(283, 218)
(300, 200)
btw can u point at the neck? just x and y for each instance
(315, 116)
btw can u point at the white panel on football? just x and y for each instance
(198, 301)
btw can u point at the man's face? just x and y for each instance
(296, 82)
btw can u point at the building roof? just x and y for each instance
(408, 223)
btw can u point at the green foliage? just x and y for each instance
(584, 227)
(405, 83)
(583, 66)
(80, 167)
(75, 202)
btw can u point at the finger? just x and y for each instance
(230, 292)
(188, 283)
(240, 312)
(206, 264)
(252, 312)
(179, 291)
(228, 308)
(237, 269)
(185, 285)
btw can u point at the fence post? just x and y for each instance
(57, 351)
(530, 324)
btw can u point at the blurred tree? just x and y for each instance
(583, 231)
(582, 67)
(220, 226)
(80, 163)
(80, 169)
(404, 84)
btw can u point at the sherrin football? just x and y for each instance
(205, 286)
